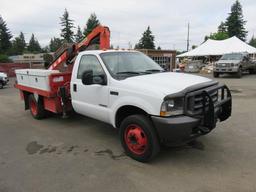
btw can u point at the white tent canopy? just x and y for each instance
(214, 48)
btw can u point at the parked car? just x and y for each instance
(234, 63)
(194, 66)
(3, 79)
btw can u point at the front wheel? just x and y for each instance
(139, 138)
(216, 74)
(1, 85)
(239, 73)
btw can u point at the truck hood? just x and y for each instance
(164, 83)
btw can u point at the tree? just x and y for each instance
(252, 42)
(5, 37)
(48, 59)
(222, 27)
(33, 45)
(67, 25)
(55, 44)
(45, 49)
(235, 22)
(4, 58)
(18, 45)
(219, 36)
(159, 48)
(146, 41)
(79, 35)
(92, 22)
(194, 46)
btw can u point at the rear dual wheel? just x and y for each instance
(138, 138)
(36, 107)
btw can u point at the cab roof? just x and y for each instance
(97, 52)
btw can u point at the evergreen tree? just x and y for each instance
(235, 22)
(253, 41)
(222, 28)
(45, 49)
(5, 37)
(159, 48)
(67, 25)
(146, 41)
(79, 35)
(18, 45)
(55, 44)
(92, 22)
(33, 45)
(194, 46)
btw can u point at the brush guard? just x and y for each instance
(212, 111)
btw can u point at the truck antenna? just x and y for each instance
(188, 38)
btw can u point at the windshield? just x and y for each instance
(233, 56)
(125, 64)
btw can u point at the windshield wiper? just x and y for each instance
(128, 72)
(154, 70)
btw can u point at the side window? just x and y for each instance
(89, 62)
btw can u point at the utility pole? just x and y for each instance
(188, 39)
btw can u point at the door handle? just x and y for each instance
(74, 87)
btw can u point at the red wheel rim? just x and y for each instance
(135, 139)
(33, 107)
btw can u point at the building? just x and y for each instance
(165, 58)
(35, 61)
(29, 58)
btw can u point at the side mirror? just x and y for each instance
(87, 77)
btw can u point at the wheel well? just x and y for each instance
(126, 111)
(26, 95)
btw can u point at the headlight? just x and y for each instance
(172, 107)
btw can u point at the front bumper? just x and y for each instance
(176, 130)
(181, 129)
(226, 70)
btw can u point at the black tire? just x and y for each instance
(1, 85)
(152, 146)
(216, 74)
(252, 71)
(239, 73)
(36, 107)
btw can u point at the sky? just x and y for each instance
(126, 19)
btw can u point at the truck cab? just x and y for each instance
(148, 105)
(234, 63)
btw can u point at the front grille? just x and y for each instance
(195, 104)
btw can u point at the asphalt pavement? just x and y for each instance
(82, 154)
